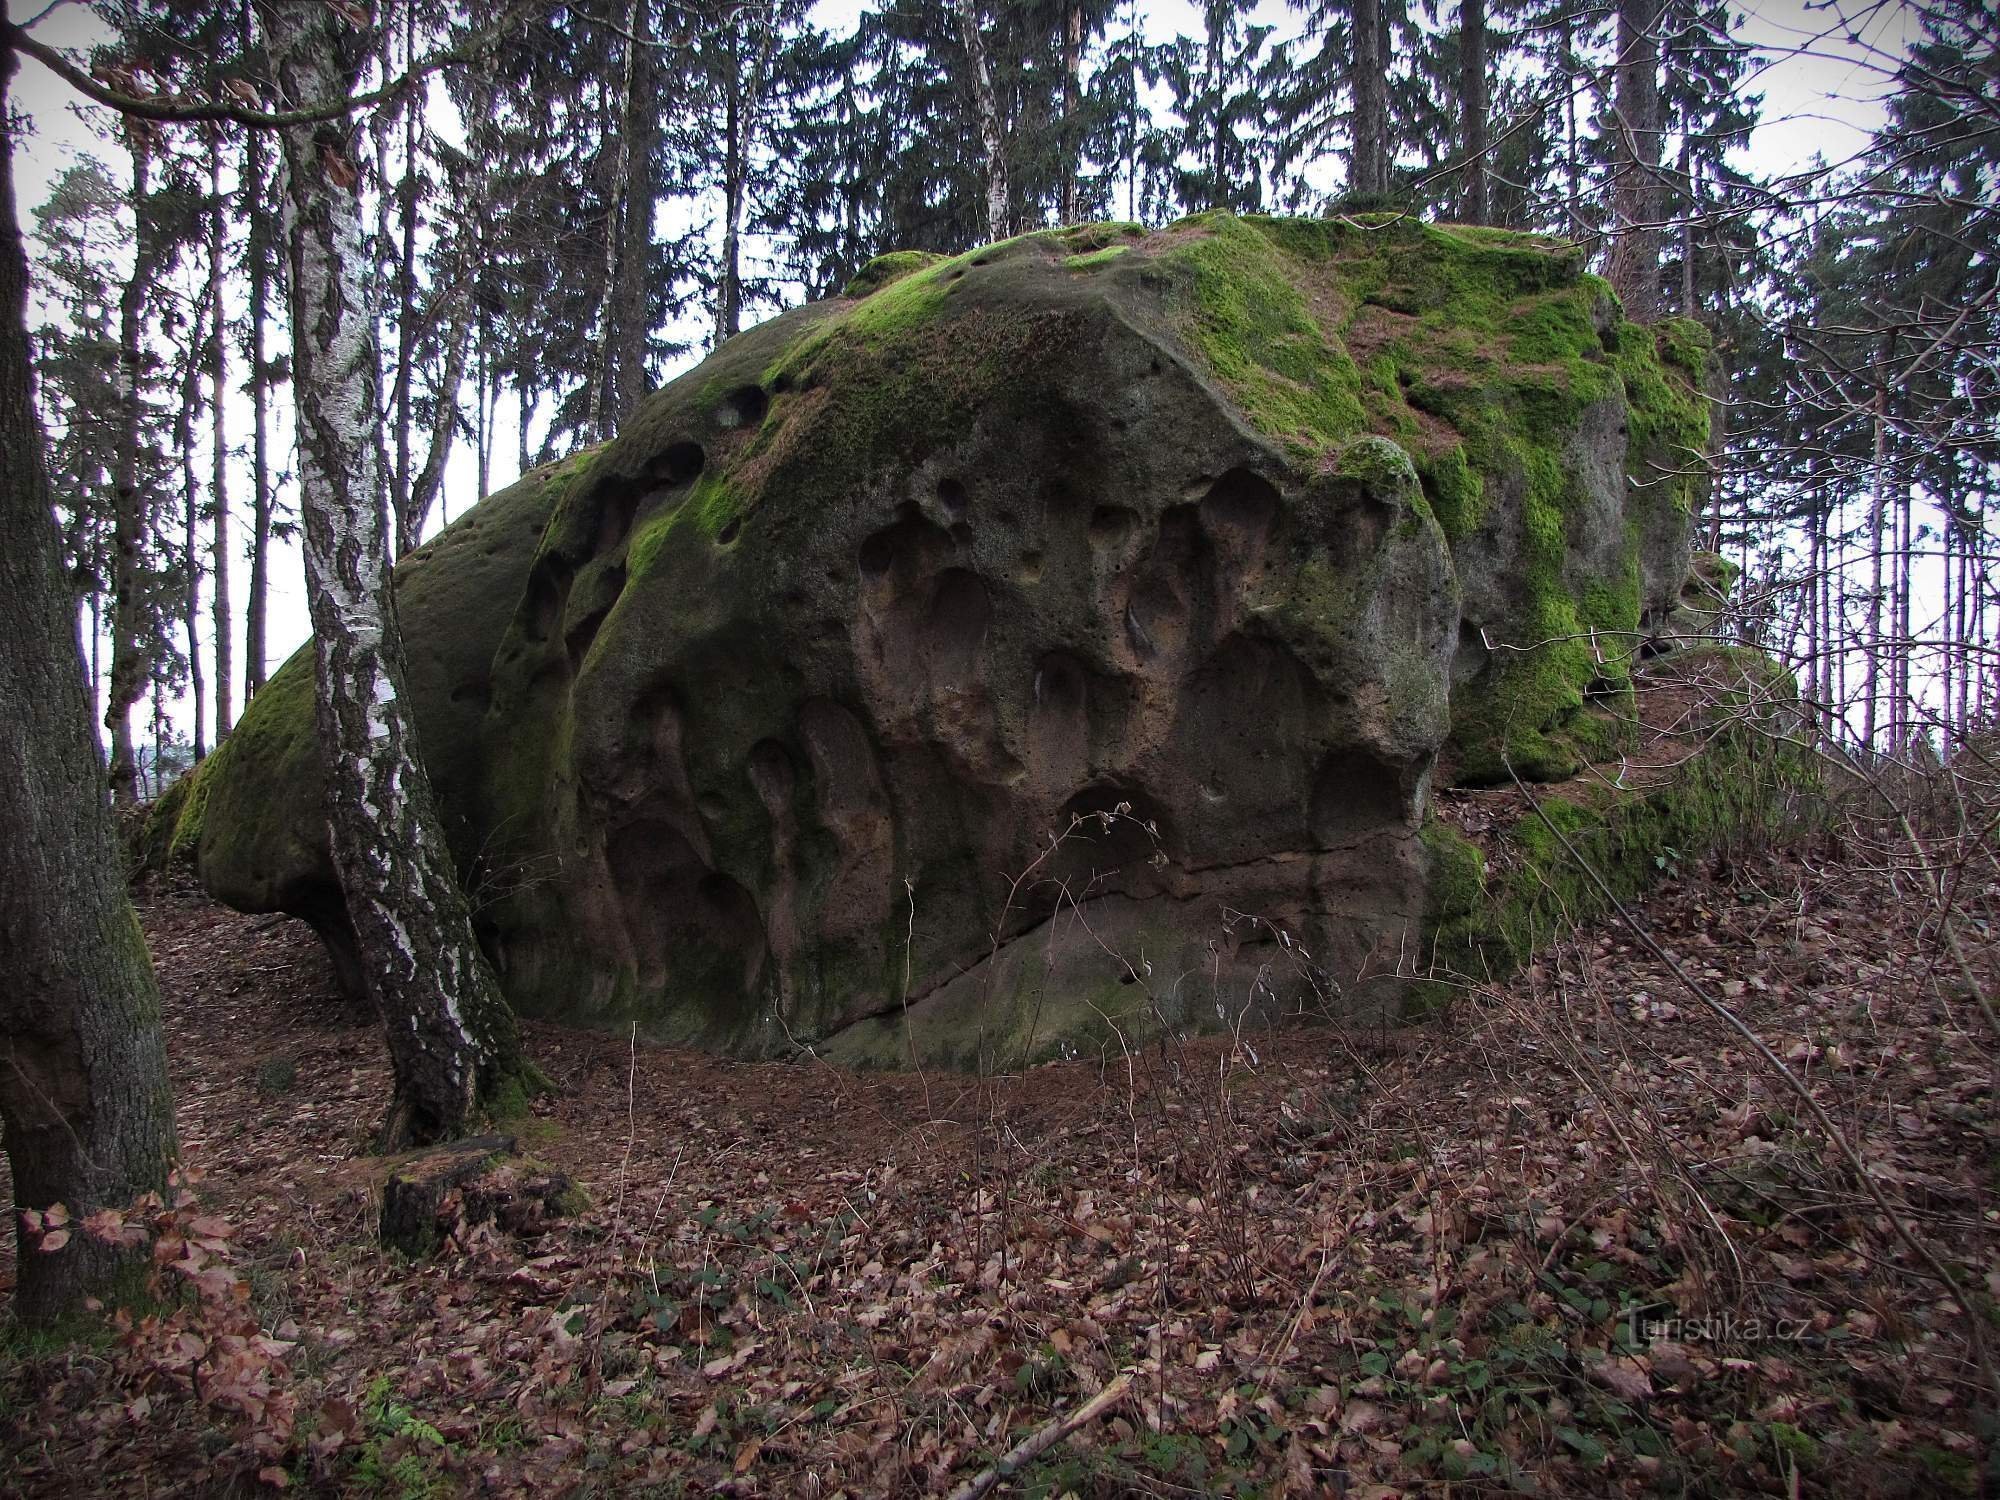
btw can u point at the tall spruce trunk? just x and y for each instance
(604, 396)
(256, 211)
(87, 1115)
(1368, 82)
(218, 490)
(1475, 204)
(632, 291)
(191, 567)
(401, 387)
(740, 126)
(1071, 208)
(993, 141)
(1877, 501)
(728, 288)
(453, 1044)
(417, 495)
(1634, 265)
(131, 664)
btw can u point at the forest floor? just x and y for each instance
(1573, 1238)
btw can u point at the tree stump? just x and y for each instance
(479, 1181)
(414, 1196)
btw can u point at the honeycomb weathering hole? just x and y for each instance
(743, 407)
(679, 463)
(951, 495)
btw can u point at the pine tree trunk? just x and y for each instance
(406, 338)
(1477, 206)
(483, 431)
(1070, 211)
(992, 140)
(728, 293)
(130, 664)
(525, 402)
(452, 1041)
(1903, 648)
(604, 396)
(218, 490)
(632, 300)
(1634, 266)
(1963, 634)
(425, 488)
(255, 604)
(1368, 82)
(1572, 144)
(87, 1116)
(191, 546)
(1877, 501)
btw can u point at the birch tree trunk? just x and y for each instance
(1634, 265)
(87, 1116)
(218, 492)
(452, 1040)
(992, 139)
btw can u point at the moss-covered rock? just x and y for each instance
(745, 725)
(1730, 770)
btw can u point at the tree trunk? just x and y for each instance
(482, 421)
(87, 1116)
(1904, 645)
(406, 326)
(184, 440)
(1876, 502)
(604, 393)
(1634, 265)
(746, 104)
(1476, 207)
(728, 294)
(1070, 211)
(1368, 82)
(218, 490)
(1572, 142)
(429, 482)
(130, 663)
(452, 1041)
(256, 212)
(525, 402)
(992, 139)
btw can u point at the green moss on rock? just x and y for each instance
(1736, 781)
(1249, 320)
(885, 269)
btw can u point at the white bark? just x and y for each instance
(993, 140)
(450, 1034)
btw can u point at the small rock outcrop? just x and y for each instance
(1029, 640)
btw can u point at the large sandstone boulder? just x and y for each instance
(1062, 634)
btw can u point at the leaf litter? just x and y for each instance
(1570, 1239)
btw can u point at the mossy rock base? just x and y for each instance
(1719, 766)
(956, 647)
